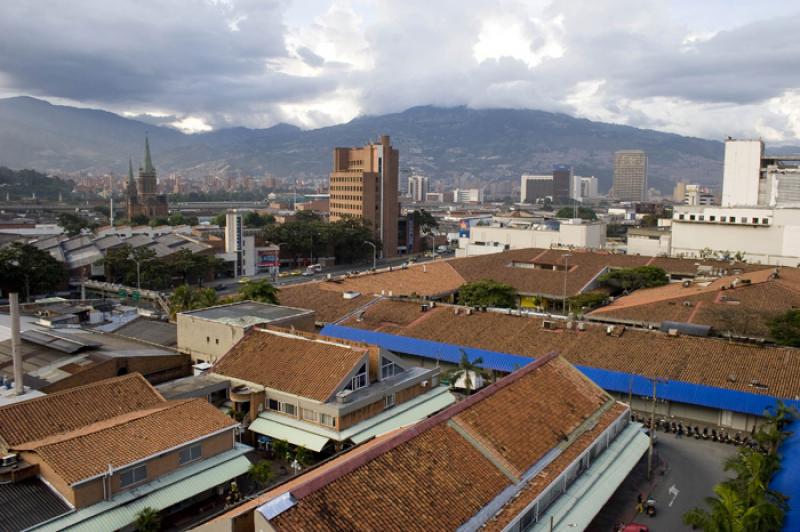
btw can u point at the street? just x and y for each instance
(692, 466)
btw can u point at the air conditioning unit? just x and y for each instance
(8, 460)
(343, 396)
(673, 332)
(581, 326)
(424, 384)
(549, 325)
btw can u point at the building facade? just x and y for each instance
(143, 197)
(468, 195)
(497, 237)
(562, 183)
(364, 185)
(418, 187)
(535, 187)
(630, 175)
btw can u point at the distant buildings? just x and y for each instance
(418, 187)
(698, 195)
(535, 187)
(585, 188)
(143, 197)
(363, 185)
(563, 186)
(630, 175)
(468, 195)
(434, 197)
(562, 183)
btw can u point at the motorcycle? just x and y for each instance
(650, 507)
(697, 434)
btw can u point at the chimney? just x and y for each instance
(16, 353)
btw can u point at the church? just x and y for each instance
(143, 197)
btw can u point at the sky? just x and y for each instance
(707, 68)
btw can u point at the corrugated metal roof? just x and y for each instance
(614, 381)
(294, 436)
(60, 342)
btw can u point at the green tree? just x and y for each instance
(280, 449)
(588, 300)
(262, 291)
(73, 223)
(487, 293)
(178, 218)
(148, 520)
(302, 455)
(628, 279)
(425, 220)
(649, 220)
(584, 213)
(186, 298)
(261, 472)
(785, 328)
(219, 219)
(730, 513)
(253, 219)
(139, 219)
(467, 369)
(161, 220)
(29, 270)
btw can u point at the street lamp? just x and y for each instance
(374, 253)
(566, 257)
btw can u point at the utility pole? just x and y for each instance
(374, 253)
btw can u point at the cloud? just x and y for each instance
(213, 63)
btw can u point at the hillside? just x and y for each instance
(441, 142)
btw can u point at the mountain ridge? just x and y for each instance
(457, 144)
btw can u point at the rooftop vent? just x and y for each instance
(732, 378)
(673, 332)
(343, 396)
(687, 303)
(758, 385)
(687, 283)
(350, 294)
(549, 325)
(581, 326)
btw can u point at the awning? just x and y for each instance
(408, 417)
(123, 508)
(295, 436)
(591, 490)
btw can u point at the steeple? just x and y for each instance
(148, 162)
(131, 181)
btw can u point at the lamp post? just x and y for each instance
(566, 272)
(374, 253)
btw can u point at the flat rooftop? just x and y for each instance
(247, 313)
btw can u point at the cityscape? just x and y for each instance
(347, 266)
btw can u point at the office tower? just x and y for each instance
(584, 187)
(630, 175)
(562, 183)
(468, 195)
(143, 197)
(418, 187)
(535, 187)
(363, 185)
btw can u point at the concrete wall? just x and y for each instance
(649, 246)
(741, 173)
(206, 340)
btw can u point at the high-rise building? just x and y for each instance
(363, 185)
(584, 187)
(630, 175)
(698, 195)
(562, 183)
(418, 187)
(143, 197)
(468, 195)
(535, 187)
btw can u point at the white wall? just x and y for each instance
(649, 246)
(488, 239)
(740, 176)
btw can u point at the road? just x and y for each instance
(693, 467)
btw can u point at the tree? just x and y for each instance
(302, 455)
(139, 219)
(253, 219)
(280, 449)
(649, 220)
(261, 472)
(219, 219)
(425, 220)
(186, 298)
(487, 293)
(467, 369)
(148, 520)
(730, 513)
(628, 279)
(584, 213)
(587, 300)
(29, 270)
(262, 291)
(72, 223)
(178, 218)
(785, 328)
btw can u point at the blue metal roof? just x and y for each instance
(787, 480)
(613, 381)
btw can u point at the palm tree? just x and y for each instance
(262, 291)
(180, 300)
(467, 369)
(261, 472)
(148, 520)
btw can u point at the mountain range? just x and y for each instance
(454, 144)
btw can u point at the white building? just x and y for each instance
(535, 187)
(585, 188)
(418, 187)
(498, 236)
(695, 195)
(649, 241)
(468, 195)
(239, 248)
(434, 197)
(760, 214)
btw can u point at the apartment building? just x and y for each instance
(630, 175)
(363, 185)
(418, 187)
(314, 391)
(109, 449)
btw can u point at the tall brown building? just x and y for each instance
(143, 197)
(364, 186)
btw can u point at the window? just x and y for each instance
(389, 368)
(208, 339)
(289, 408)
(359, 380)
(190, 454)
(274, 405)
(325, 419)
(744, 219)
(755, 220)
(681, 217)
(217, 341)
(723, 218)
(388, 401)
(133, 475)
(310, 415)
(764, 221)
(712, 218)
(691, 217)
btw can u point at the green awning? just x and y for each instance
(122, 509)
(295, 436)
(591, 490)
(407, 417)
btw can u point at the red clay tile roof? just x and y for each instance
(88, 451)
(328, 305)
(708, 361)
(428, 279)
(75, 408)
(431, 477)
(303, 365)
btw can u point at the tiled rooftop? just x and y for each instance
(428, 279)
(432, 477)
(298, 364)
(327, 305)
(707, 361)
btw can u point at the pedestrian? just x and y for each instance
(639, 504)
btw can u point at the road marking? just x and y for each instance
(674, 492)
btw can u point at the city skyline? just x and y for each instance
(321, 63)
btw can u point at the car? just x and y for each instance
(412, 259)
(220, 287)
(243, 280)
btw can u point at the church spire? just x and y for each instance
(148, 162)
(131, 182)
